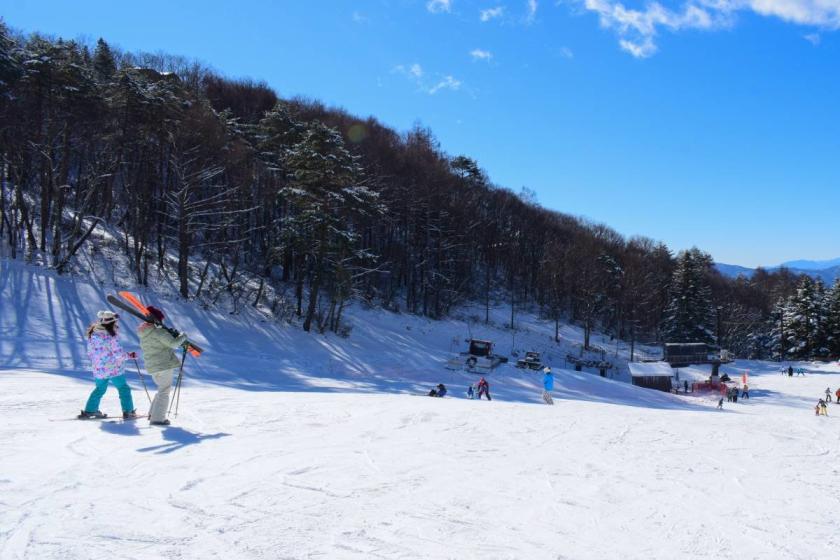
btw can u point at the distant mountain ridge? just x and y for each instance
(827, 270)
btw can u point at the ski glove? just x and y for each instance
(132, 355)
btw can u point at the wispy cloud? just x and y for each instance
(566, 52)
(813, 38)
(425, 83)
(491, 13)
(412, 71)
(637, 29)
(439, 6)
(481, 54)
(448, 82)
(531, 14)
(360, 18)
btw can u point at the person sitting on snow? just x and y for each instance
(438, 391)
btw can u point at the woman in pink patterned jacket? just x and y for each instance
(107, 357)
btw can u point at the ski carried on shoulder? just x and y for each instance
(132, 305)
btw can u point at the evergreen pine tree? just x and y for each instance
(804, 320)
(104, 63)
(326, 197)
(832, 319)
(689, 315)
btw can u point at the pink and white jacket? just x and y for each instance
(105, 354)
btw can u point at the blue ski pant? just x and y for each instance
(102, 385)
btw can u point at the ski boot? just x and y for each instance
(164, 422)
(130, 414)
(86, 415)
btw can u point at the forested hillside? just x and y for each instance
(206, 175)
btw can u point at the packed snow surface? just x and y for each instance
(293, 445)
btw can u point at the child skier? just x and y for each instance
(821, 409)
(548, 385)
(107, 357)
(158, 347)
(471, 391)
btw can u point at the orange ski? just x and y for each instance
(135, 301)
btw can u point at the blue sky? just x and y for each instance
(713, 123)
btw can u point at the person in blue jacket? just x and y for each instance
(548, 385)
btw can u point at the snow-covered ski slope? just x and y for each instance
(291, 445)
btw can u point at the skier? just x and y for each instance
(720, 404)
(790, 371)
(837, 395)
(827, 394)
(158, 347)
(685, 386)
(471, 391)
(745, 392)
(821, 409)
(483, 389)
(107, 357)
(548, 385)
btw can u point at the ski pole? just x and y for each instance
(143, 381)
(178, 385)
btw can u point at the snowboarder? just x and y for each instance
(548, 385)
(483, 389)
(438, 391)
(827, 394)
(158, 346)
(107, 357)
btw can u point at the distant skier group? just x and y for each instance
(790, 371)
(107, 359)
(821, 409)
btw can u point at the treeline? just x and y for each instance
(223, 175)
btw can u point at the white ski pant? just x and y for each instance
(547, 397)
(163, 380)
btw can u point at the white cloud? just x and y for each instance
(637, 28)
(813, 38)
(480, 54)
(491, 13)
(438, 6)
(566, 52)
(424, 83)
(448, 82)
(532, 11)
